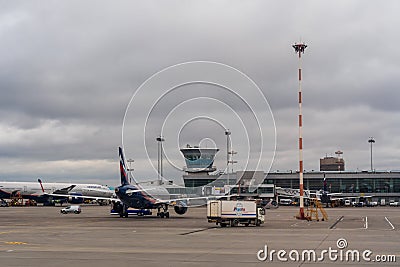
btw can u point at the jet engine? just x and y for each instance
(180, 207)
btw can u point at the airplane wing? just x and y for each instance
(358, 197)
(130, 191)
(85, 197)
(345, 198)
(337, 198)
(189, 201)
(64, 190)
(334, 194)
(368, 196)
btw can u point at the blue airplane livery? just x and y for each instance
(138, 197)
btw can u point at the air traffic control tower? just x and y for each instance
(199, 163)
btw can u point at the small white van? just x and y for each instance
(71, 209)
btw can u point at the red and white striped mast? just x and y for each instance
(299, 49)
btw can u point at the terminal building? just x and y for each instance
(201, 178)
(379, 185)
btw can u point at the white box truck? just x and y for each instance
(233, 213)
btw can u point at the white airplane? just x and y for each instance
(48, 192)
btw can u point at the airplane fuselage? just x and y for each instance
(31, 190)
(139, 198)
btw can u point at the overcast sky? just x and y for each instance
(68, 70)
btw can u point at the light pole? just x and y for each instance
(231, 161)
(371, 140)
(130, 169)
(160, 139)
(299, 49)
(227, 133)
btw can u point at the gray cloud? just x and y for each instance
(69, 68)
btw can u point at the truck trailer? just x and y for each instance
(233, 213)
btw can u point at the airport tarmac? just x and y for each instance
(41, 236)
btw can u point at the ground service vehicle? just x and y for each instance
(71, 209)
(3, 203)
(233, 213)
(285, 202)
(372, 204)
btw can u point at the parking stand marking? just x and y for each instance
(389, 223)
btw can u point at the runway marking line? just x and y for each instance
(337, 221)
(389, 223)
(366, 223)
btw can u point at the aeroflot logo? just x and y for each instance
(340, 254)
(239, 209)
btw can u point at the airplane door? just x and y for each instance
(25, 188)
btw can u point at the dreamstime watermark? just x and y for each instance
(340, 253)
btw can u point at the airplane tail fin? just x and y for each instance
(41, 185)
(325, 187)
(122, 168)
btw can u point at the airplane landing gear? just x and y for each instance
(124, 211)
(118, 207)
(164, 212)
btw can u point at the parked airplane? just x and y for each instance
(323, 195)
(48, 192)
(138, 197)
(330, 198)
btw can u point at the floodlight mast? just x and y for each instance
(299, 49)
(160, 139)
(371, 140)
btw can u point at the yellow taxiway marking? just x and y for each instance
(16, 243)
